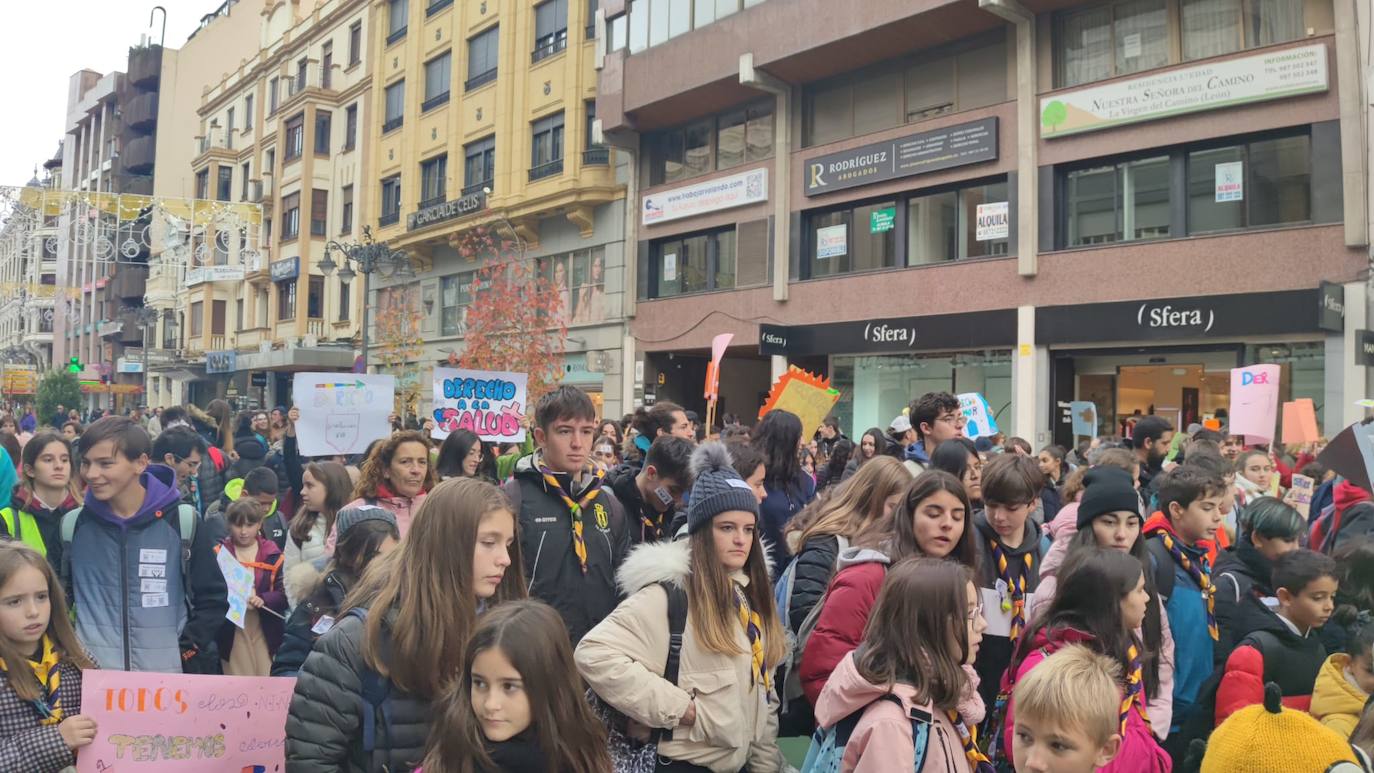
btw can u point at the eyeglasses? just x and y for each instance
(976, 611)
(957, 419)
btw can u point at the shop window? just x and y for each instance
(843, 241)
(455, 295)
(944, 226)
(1110, 40)
(873, 389)
(693, 264)
(580, 278)
(1262, 183)
(1216, 27)
(1128, 201)
(1302, 370)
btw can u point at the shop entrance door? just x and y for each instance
(1176, 392)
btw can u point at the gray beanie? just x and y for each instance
(352, 516)
(718, 488)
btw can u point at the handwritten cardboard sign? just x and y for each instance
(239, 579)
(807, 395)
(1303, 487)
(1084, 417)
(180, 723)
(342, 413)
(488, 403)
(1300, 422)
(1255, 401)
(978, 420)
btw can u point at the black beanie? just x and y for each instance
(1108, 490)
(718, 488)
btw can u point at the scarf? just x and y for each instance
(968, 736)
(49, 676)
(1135, 688)
(575, 506)
(1015, 601)
(753, 626)
(1201, 572)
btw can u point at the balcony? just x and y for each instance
(436, 6)
(389, 218)
(596, 157)
(395, 36)
(549, 45)
(550, 169)
(141, 112)
(139, 153)
(479, 80)
(145, 66)
(485, 185)
(393, 124)
(130, 282)
(110, 327)
(433, 102)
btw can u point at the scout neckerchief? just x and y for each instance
(1135, 688)
(1201, 572)
(968, 736)
(753, 626)
(575, 507)
(49, 676)
(1015, 599)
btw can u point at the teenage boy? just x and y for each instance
(181, 449)
(1280, 645)
(261, 484)
(1068, 714)
(571, 526)
(936, 418)
(1177, 541)
(1271, 530)
(1150, 438)
(1009, 550)
(652, 494)
(147, 592)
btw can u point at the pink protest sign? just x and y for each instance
(1255, 401)
(165, 723)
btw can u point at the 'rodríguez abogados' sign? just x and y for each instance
(928, 151)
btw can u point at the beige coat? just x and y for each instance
(623, 659)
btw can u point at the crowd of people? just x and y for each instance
(652, 594)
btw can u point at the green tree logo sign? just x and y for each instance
(1054, 114)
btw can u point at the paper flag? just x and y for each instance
(807, 395)
(718, 346)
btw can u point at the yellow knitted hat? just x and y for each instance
(1274, 739)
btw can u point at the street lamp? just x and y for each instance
(146, 318)
(363, 259)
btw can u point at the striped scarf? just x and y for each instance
(49, 676)
(968, 736)
(1201, 572)
(575, 506)
(753, 626)
(1135, 689)
(1015, 600)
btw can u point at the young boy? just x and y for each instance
(1345, 684)
(259, 483)
(146, 590)
(652, 491)
(1009, 546)
(1279, 645)
(1178, 537)
(1067, 714)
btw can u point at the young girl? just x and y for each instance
(46, 493)
(1101, 601)
(40, 697)
(518, 707)
(959, 457)
(933, 520)
(407, 625)
(461, 455)
(325, 486)
(248, 651)
(919, 647)
(718, 713)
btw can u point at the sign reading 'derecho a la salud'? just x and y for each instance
(737, 190)
(929, 151)
(1271, 75)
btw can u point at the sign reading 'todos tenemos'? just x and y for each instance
(487, 403)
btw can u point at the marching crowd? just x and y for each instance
(653, 594)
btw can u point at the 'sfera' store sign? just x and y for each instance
(973, 329)
(1258, 78)
(1212, 317)
(931, 151)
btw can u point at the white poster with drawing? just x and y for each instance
(341, 413)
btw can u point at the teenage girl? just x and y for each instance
(47, 491)
(41, 725)
(519, 706)
(325, 486)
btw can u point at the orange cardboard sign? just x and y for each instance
(1300, 422)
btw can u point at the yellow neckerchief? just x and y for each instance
(49, 676)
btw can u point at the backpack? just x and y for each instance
(1201, 721)
(376, 694)
(828, 744)
(795, 713)
(185, 525)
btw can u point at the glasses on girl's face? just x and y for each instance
(976, 611)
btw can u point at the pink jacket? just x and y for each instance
(883, 734)
(402, 507)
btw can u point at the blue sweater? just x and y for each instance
(1187, 610)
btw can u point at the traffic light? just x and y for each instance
(74, 365)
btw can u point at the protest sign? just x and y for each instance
(488, 403)
(239, 579)
(1351, 454)
(342, 413)
(1300, 422)
(1084, 417)
(1255, 402)
(181, 723)
(977, 415)
(1303, 487)
(807, 395)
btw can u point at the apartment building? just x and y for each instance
(484, 113)
(28, 279)
(1042, 201)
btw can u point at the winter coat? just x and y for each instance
(780, 504)
(121, 620)
(324, 723)
(994, 655)
(308, 552)
(646, 523)
(253, 453)
(39, 526)
(267, 583)
(623, 657)
(1187, 611)
(211, 476)
(840, 626)
(1140, 752)
(403, 508)
(273, 526)
(294, 464)
(552, 569)
(1356, 513)
(1240, 573)
(321, 595)
(26, 744)
(882, 736)
(815, 567)
(1336, 700)
(1293, 666)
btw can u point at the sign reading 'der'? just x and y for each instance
(928, 151)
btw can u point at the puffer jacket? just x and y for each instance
(815, 567)
(882, 736)
(839, 629)
(322, 595)
(324, 723)
(308, 552)
(1238, 574)
(623, 657)
(26, 744)
(1336, 700)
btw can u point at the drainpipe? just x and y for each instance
(1027, 132)
(781, 184)
(1354, 151)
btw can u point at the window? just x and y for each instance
(323, 120)
(550, 28)
(739, 136)
(432, 174)
(270, 165)
(346, 212)
(244, 170)
(344, 310)
(302, 66)
(395, 106)
(319, 212)
(455, 295)
(547, 147)
(238, 314)
(589, 108)
(224, 183)
(696, 263)
(355, 43)
(350, 127)
(1261, 183)
(273, 89)
(197, 319)
(1128, 201)
(248, 112)
(436, 80)
(482, 51)
(1114, 39)
(398, 16)
(944, 226)
(229, 128)
(286, 300)
(314, 299)
(591, 19)
(434, 6)
(290, 216)
(217, 311)
(295, 138)
(203, 184)
(861, 238)
(1216, 27)
(391, 200)
(327, 65)
(580, 280)
(745, 135)
(479, 165)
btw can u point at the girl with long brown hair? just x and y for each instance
(405, 626)
(325, 487)
(519, 706)
(718, 715)
(47, 490)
